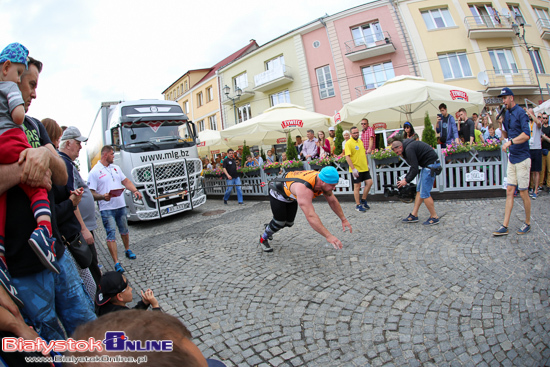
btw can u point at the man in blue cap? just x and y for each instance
(516, 129)
(299, 188)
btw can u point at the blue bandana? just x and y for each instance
(16, 53)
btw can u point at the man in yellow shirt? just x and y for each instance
(359, 168)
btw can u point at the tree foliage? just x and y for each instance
(428, 135)
(246, 152)
(291, 152)
(338, 140)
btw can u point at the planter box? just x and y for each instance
(455, 156)
(254, 173)
(289, 169)
(272, 171)
(344, 166)
(317, 167)
(489, 153)
(386, 161)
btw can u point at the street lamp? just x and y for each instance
(521, 34)
(238, 93)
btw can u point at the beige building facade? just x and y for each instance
(482, 45)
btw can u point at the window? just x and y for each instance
(367, 34)
(281, 97)
(201, 125)
(376, 75)
(503, 61)
(537, 61)
(186, 106)
(181, 87)
(542, 14)
(209, 94)
(244, 112)
(200, 99)
(438, 18)
(324, 79)
(455, 65)
(240, 81)
(277, 63)
(485, 15)
(186, 85)
(212, 122)
(178, 90)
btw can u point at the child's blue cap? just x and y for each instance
(329, 175)
(16, 53)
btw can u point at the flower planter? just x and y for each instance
(489, 153)
(386, 161)
(289, 169)
(272, 171)
(344, 166)
(254, 173)
(316, 167)
(452, 157)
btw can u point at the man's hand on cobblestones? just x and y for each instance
(149, 298)
(335, 242)
(346, 224)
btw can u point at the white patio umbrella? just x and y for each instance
(407, 98)
(210, 140)
(273, 125)
(543, 107)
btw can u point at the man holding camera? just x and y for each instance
(419, 154)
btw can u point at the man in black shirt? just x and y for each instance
(230, 171)
(419, 154)
(54, 303)
(468, 127)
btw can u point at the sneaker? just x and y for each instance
(5, 281)
(241, 203)
(410, 219)
(365, 205)
(360, 208)
(270, 237)
(524, 229)
(431, 221)
(533, 196)
(225, 202)
(43, 245)
(264, 244)
(119, 268)
(530, 191)
(502, 231)
(130, 255)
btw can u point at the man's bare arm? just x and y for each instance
(41, 159)
(12, 175)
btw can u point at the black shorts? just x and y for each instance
(283, 212)
(536, 160)
(363, 176)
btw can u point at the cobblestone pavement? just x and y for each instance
(397, 294)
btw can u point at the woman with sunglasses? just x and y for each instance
(408, 131)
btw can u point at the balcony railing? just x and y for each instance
(516, 80)
(273, 78)
(364, 48)
(489, 26)
(246, 94)
(544, 28)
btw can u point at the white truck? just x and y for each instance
(156, 147)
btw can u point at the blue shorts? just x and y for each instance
(426, 181)
(112, 219)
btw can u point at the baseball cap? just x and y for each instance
(15, 52)
(72, 133)
(110, 285)
(329, 175)
(331, 128)
(506, 92)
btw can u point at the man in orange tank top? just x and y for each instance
(298, 189)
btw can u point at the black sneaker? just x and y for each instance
(264, 244)
(270, 237)
(225, 202)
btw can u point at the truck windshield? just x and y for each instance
(155, 133)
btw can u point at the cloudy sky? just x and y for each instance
(95, 51)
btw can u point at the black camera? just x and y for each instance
(405, 193)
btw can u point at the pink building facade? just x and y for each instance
(354, 52)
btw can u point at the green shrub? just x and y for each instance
(428, 135)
